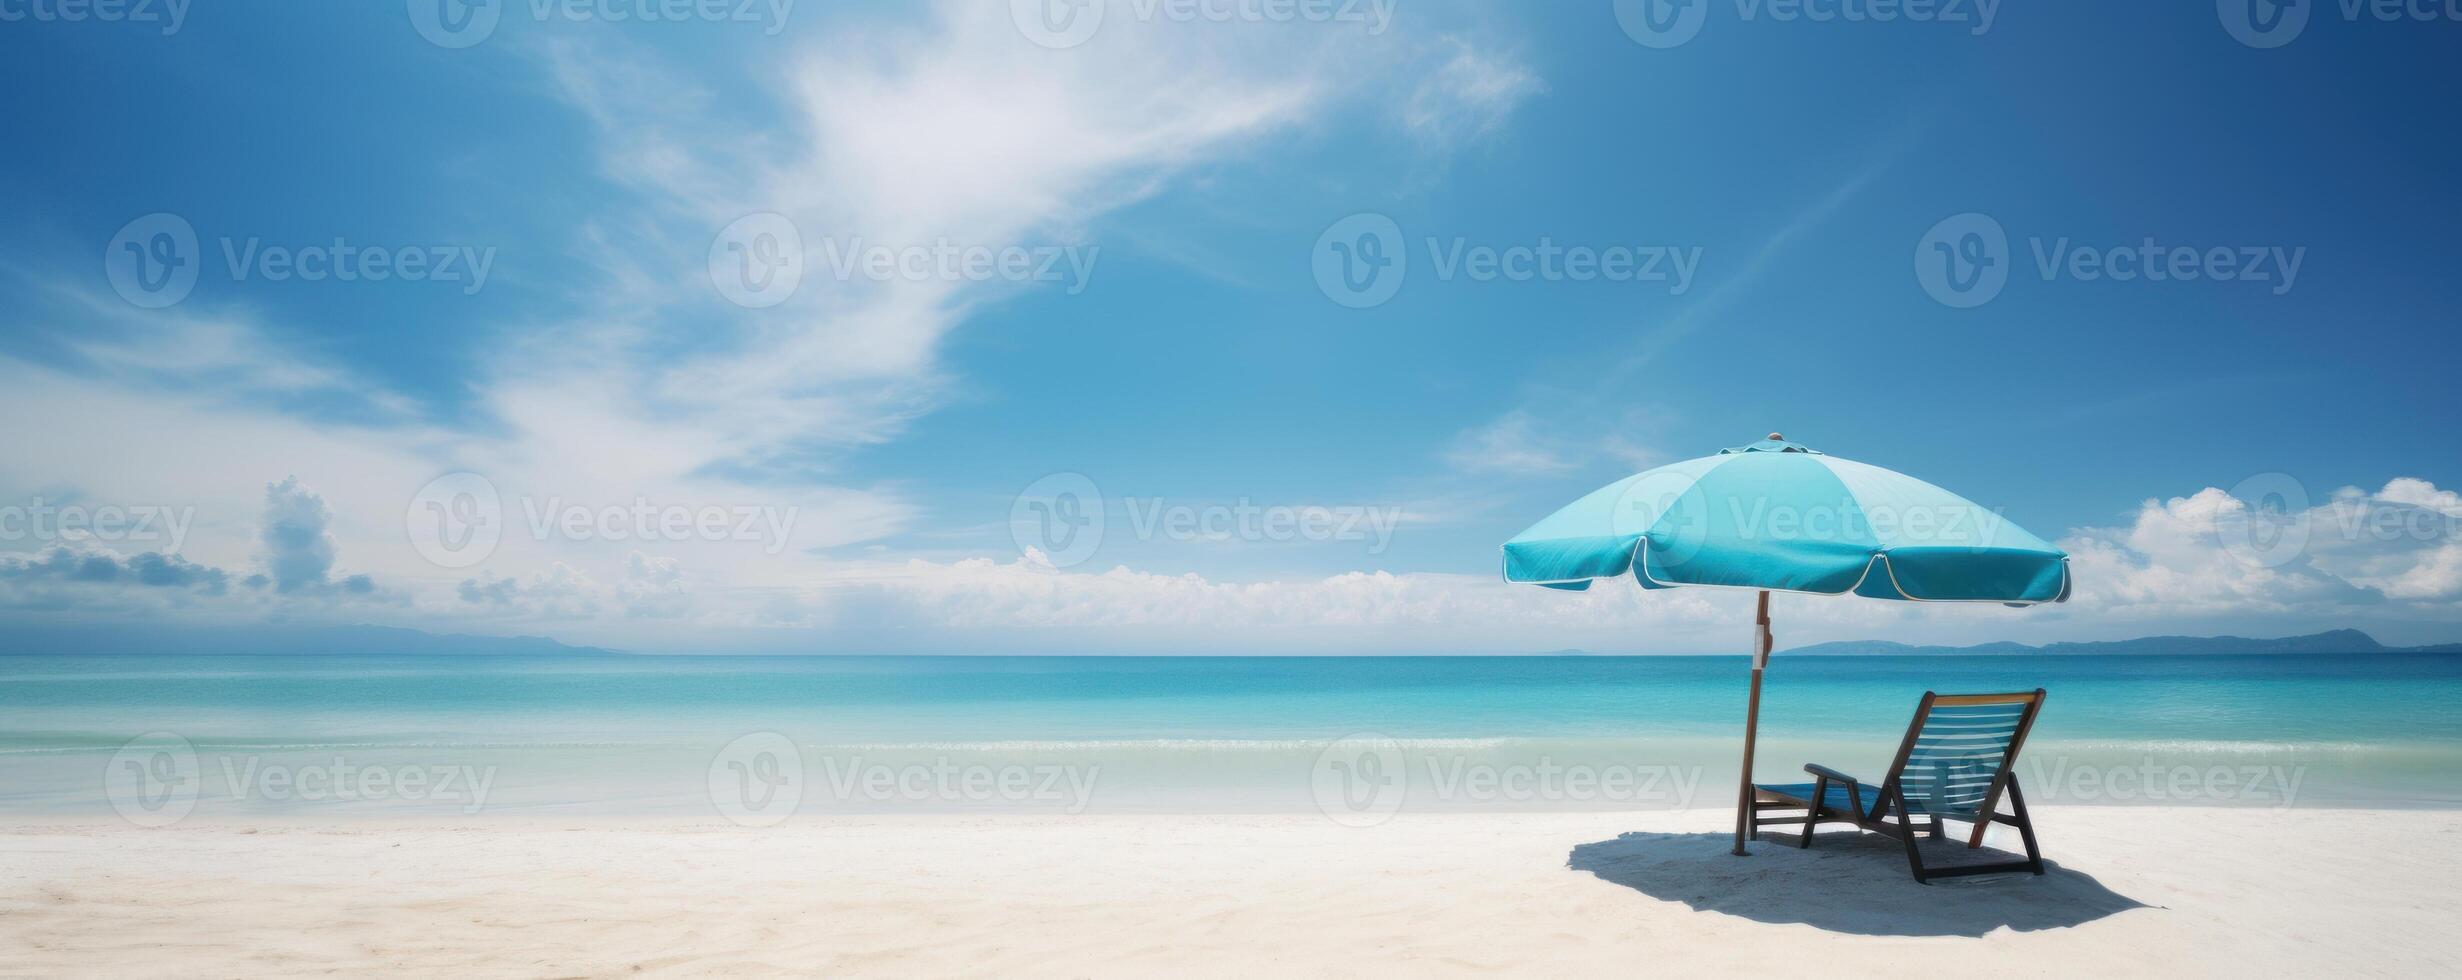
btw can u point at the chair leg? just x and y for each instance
(1906, 834)
(1812, 814)
(1936, 826)
(2025, 826)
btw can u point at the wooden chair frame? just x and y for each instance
(1890, 803)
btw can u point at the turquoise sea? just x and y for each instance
(741, 737)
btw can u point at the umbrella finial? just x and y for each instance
(1775, 437)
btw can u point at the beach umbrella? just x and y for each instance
(1778, 516)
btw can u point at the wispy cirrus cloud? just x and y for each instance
(1511, 444)
(1523, 443)
(1469, 96)
(648, 386)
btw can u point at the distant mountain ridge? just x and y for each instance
(2330, 641)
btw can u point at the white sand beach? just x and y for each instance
(2134, 891)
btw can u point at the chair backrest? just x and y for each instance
(1960, 751)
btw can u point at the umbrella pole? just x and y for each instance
(1752, 722)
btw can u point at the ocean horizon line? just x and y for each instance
(406, 641)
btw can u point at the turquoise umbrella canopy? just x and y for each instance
(1781, 516)
(1778, 516)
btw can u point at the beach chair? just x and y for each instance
(1957, 763)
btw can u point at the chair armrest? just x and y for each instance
(1855, 789)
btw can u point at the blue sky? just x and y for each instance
(1183, 174)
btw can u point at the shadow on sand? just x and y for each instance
(1847, 882)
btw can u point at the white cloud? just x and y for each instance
(1511, 444)
(1029, 592)
(228, 358)
(560, 592)
(2404, 540)
(299, 548)
(653, 588)
(1469, 97)
(2412, 492)
(2210, 553)
(2180, 560)
(1522, 443)
(955, 132)
(62, 575)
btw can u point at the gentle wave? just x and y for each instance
(2230, 747)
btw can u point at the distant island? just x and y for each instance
(2330, 641)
